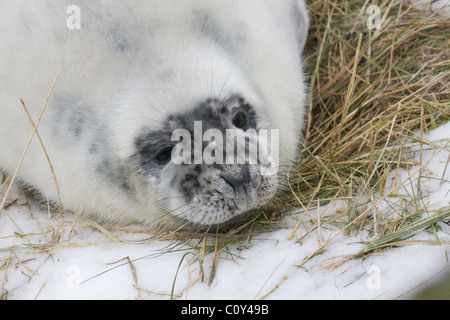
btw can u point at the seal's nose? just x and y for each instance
(238, 182)
(232, 181)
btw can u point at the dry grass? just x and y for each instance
(368, 87)
(374, 94)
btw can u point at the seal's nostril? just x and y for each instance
(245, 174)
(231, 181)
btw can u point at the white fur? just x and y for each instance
(134, 62)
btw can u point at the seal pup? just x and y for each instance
(131, 74)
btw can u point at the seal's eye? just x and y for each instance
(164, 154)
(240, 119)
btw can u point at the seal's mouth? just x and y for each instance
(226, 226)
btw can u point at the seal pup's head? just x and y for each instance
(212, 165)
